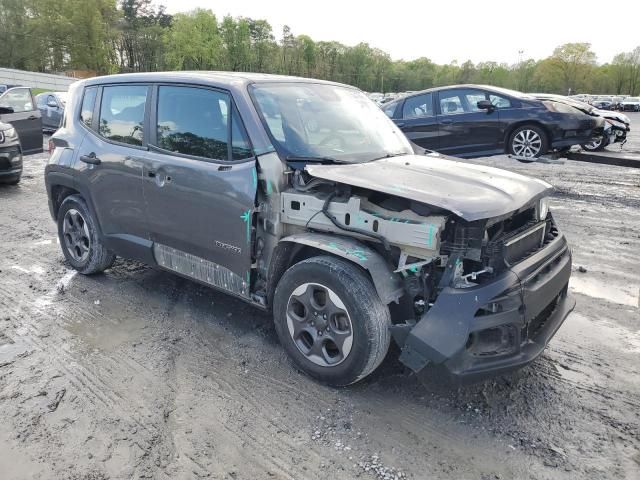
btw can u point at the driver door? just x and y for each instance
(18, 108)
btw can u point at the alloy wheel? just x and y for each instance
(527, 143)
(319, 324)
(76, 235)
(594, 144)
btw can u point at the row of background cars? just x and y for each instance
(459, 120)
(23, 118)
(479, 120)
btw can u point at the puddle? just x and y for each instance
(106, 334)
(602, 332)
(624, 295)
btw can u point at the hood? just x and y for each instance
(620, 117)
(5, 126)
(468, 190)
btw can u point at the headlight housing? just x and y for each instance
(543, 208)
(8, 134)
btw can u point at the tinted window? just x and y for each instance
(122, 113)
(17, 99)
(499, 102)
(389, 110)
(193, 121)
(460, 101)
(472, 100)
(418, 106)
(86, 114)
(240, 147)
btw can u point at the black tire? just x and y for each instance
(369, 318)
(97, 257)
(515, 137)
(596, 146)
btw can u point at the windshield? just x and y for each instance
(327, 121)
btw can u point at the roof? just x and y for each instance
(206, 77)
(504, 91)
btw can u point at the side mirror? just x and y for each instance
(486, 105)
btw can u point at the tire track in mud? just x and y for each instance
(86, 379)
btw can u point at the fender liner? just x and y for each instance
(387, 283)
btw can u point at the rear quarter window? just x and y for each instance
(88, 104)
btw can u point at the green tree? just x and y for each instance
(193, 42)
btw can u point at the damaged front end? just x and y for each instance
(477, 287)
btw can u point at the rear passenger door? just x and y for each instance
(200, 186)
(418, 121)
(110, 160)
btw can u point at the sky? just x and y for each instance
(489, 30)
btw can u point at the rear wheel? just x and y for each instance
(528, 141)
(79, 239)
(330, 320)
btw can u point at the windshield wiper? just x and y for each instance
(389, 155)
(302, 158)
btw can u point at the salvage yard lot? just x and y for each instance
(140, 374)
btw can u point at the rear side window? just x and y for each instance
(389, 110)
(122, 113)
(194, 121)
(88, 102)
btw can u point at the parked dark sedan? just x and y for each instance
(10, 155)
(477, 120)
(51, 106)
(17, 106)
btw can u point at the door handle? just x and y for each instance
(32, 117)
(400, 124)
(91, 159)
(446, 121)
(151, 173)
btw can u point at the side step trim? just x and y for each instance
(200, 269)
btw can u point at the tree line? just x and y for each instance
(114, 36)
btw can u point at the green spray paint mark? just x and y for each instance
(269, 189)
(414, 269)
(254, 173)
(355, 252)
(431, 231)
(246, 217)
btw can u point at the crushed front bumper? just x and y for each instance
(497, 326)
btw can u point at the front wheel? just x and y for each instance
(330, 320)
(596, 144)
(528, 141)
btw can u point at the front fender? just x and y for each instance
(387, 283)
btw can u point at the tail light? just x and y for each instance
(51, 146)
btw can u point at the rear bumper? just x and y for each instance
(499, 326)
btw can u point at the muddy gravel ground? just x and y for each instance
(137, 373)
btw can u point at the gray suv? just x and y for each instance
(302, 198)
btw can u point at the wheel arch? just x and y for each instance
(61, 186)
(295, 248)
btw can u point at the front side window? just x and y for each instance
(88, 102)
(193, 121)
(461, 101)
(327, 121)
(418, 106)
(17, 100)
(498, 101)
(122, 113)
